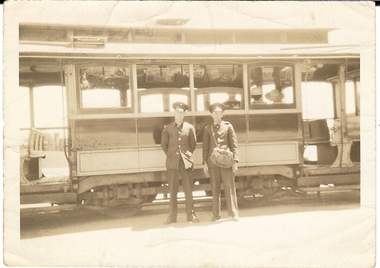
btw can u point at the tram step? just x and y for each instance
(341, 179)
(57, 198)
(330, 188)
(323, 170)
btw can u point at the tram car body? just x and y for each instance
(118, 85)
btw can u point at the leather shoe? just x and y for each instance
(194, 220)
(169, 221)
(215, 218)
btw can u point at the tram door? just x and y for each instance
(318, 118)
(45, 114)
(330, 102)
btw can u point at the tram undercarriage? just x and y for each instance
(110, 194)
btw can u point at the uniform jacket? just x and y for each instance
(178, 141)
(226, 138)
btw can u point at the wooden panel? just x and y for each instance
(273, 153)
(152, 158)
(261, 154)
(106, 134)
(107, 162)
(274, 126)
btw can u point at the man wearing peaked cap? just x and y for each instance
(178, 141)
(181, 105)
(221, 134)
(217, 105)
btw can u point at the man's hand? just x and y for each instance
(235, 167)
(205, 168)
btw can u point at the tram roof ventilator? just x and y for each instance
(88, 41)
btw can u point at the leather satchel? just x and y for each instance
(221, 157)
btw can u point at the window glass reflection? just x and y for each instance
(271, 85)
(218, 83)
(105, 87)
(159, 86)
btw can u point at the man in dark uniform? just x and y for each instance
(178, 141)
(223, 133)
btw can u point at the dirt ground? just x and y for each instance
(333, 231)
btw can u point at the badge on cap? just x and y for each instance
(182, 105)
(216, 105)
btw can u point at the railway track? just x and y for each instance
(285, 197)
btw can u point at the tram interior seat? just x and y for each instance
(30, 163)
(316, 132)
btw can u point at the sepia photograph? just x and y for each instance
(189, 134)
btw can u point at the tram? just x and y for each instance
(292, 97)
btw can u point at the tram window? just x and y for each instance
(21, 106)
(105, 87)
(317, 100)
(218, 83)
(50, 112)
(231, 100)
(271, 87)
(159, 86)
(49, 107)
(100, 98)
(357, 86)
(160, 102)
(19, 112)
(351, 98)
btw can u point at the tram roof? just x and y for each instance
(178, 22)
(188, 51)
(194, 14)
(294, 30)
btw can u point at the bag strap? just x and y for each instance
(213, 135)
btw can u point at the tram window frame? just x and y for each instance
(352, 97)
(259, 104)
(169, 81)
(127, 97)
(216, 84)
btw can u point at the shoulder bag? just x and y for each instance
(221, 157)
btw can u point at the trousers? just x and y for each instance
(225, 175)
(173, 176)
